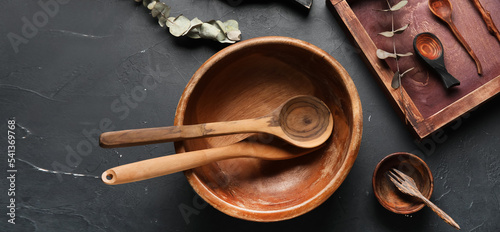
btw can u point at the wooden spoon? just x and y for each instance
(429, 48)
(147, 169)
(304, 121)
(442, 9)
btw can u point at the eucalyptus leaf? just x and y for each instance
(224, 32)
(194, 31)
(152, 5)
(401, 29)
(165, 12)
(160, 6)
(155, 13)
(145, 3)
(392, 33)
(232, 31)
(381, 54)
(196, 22)
(210, 31)
(179, 25)
(396, 80)
(162, 21)
(387, 34)
(221, 26)
(397, 7)
(231, 25)
(234, 35)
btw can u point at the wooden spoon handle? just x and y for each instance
(448, 80)
(145, 136)
(440, 213)
(466, 46)
(165, 165)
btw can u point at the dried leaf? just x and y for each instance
(221, 26)
(194, 31)
(162, 21)
(234, 35)
(209, 31)
(397, 7)
(401, 29)
(387, 34)
(395, 80)
(231, 25)
(165, 12)
(381, 54)
(146, 3)
(157, 8)
(179, 25)
(232, 31)
(224, 32)
(392, 33)
(151, 5)
(196, 22)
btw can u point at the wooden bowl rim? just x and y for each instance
(320, 197)
(381, 200)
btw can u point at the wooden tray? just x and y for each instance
(424, 103)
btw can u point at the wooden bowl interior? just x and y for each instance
(249, 82)
(389, 196)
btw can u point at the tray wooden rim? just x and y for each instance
(421, 126)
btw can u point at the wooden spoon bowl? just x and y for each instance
(247, 80)
(388, 195)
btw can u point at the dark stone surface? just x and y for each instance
(76, 71)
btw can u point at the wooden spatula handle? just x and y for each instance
(125, 138)
(145, 136)
(165, 165)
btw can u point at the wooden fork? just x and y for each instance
(407, 185)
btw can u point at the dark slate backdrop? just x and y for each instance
(63, 83)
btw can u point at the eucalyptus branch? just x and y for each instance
(381, 54)
(223, 32)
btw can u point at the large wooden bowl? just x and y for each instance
(250, 79)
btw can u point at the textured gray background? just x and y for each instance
(90, 54)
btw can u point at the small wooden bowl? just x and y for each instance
(388, 195)
(247, 80)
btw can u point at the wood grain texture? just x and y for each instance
(488, 20)
(443, 10)
(303, 121)
(428, 104)
(407, 185)
(387, 194)
(164, 165)
(252, 77)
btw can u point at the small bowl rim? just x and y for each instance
(330, 188)
(379, 197)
